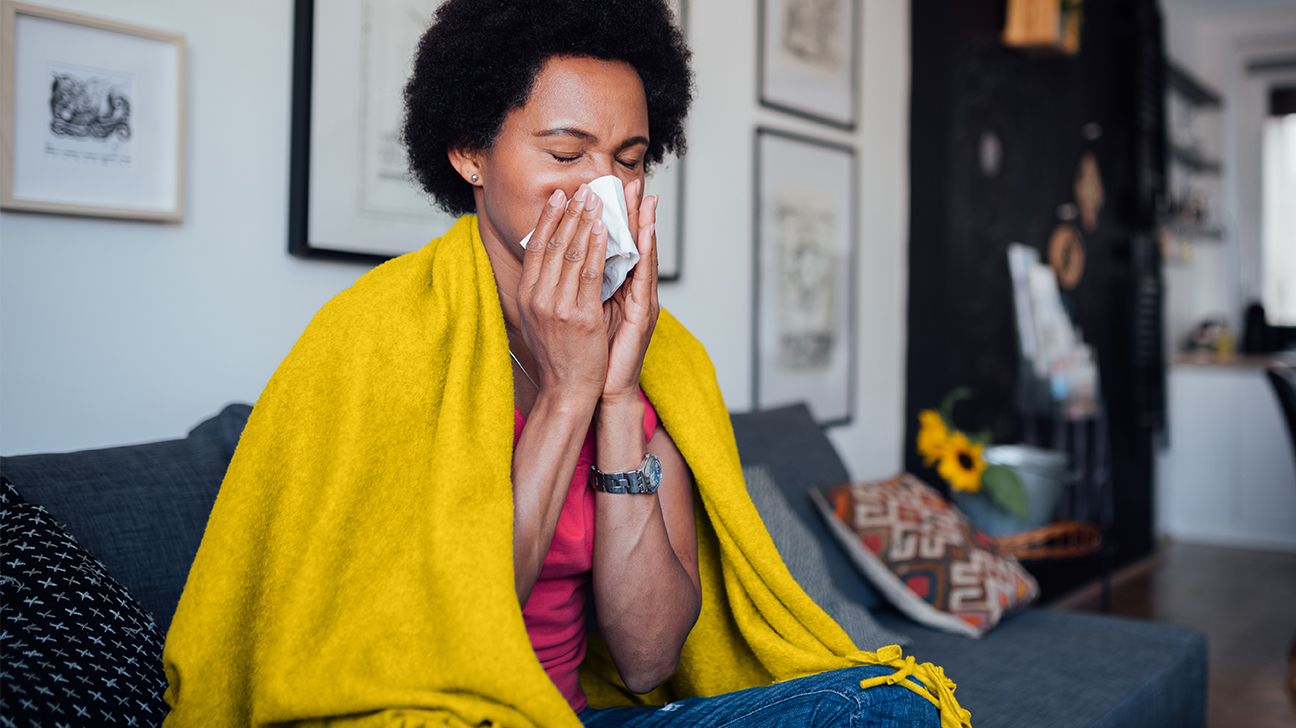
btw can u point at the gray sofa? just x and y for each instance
(141, 510)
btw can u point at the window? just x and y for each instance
(1278, 227)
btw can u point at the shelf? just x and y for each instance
(1179, 80)
(1238, 361)
(1196, 232)
(1194, 160)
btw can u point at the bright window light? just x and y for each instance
(1279, 224)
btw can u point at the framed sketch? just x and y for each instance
(350, 195)
(91, 114)
(803, 290)
(667, 182)
(808, 61)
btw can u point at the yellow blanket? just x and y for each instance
(357, 568)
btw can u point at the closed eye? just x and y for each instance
(633, 164)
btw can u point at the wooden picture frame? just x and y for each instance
(86, 122)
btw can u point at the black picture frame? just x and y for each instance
(373, 238)
(763, 57)
(299, 147)
(299, 165)
(852, 269)
(680, 204)
(680, 201)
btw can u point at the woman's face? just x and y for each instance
(586, 118)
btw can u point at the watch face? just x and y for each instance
(653, 470)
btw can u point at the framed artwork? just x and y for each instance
(91, 114)
(803, 328)
(667, 182)
(808, 62)
(350, 194)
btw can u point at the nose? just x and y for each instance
(604, 165)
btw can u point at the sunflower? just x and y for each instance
(933, 435)
(962, 463)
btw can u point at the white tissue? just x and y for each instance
(621, 251)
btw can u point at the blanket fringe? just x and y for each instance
(939, 688)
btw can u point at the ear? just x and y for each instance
(468, 164)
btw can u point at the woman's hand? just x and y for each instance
(559, 297)
(630, 315)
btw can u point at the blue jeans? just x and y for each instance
(831, 698)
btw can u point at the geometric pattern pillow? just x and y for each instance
(75, 647)
(926, 556)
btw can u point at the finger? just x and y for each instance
(647, 221)
(656, 272)
(590, 292)
(556, 244)
(656, 256)
(633, 193)
(645, 278)
(577, 250)
(655, 280)
(550, 216)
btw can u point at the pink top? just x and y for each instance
(555, 611)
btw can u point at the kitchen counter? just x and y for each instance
(1228, 472)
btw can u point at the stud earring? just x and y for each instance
(473, 178)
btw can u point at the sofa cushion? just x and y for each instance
(796, 452)
(924, 555)
(1067, 670)
(140, 508)
(77, 648)
(805, 560)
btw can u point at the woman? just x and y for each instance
(512, 108)
(520, 166)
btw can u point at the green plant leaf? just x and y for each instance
(981, 438)
(1004, 486)
(947, 404)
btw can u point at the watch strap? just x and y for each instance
(628, 481)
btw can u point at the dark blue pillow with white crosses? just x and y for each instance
(75, 647)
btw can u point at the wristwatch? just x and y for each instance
(644, 479)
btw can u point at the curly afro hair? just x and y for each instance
(480, 58)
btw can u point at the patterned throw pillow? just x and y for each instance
(75, 647)
(925, 555)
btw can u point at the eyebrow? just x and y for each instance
(586, 136)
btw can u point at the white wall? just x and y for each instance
(115, 332)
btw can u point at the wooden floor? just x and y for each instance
(1245, 601)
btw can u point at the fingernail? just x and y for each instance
(556, 198)
(653, 230)
(599, 227)
(591, 202)
(581, 192)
